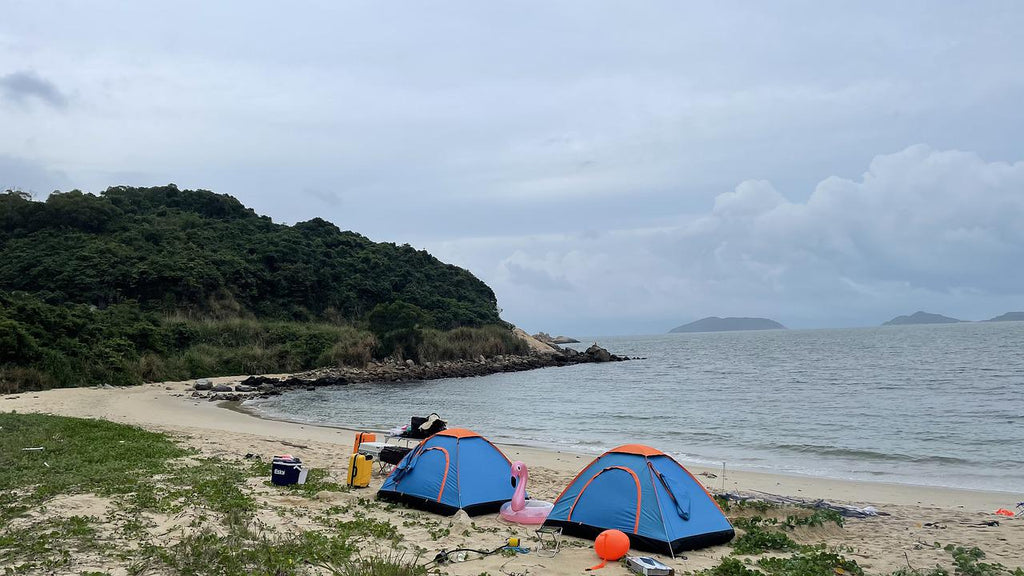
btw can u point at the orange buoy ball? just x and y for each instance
(611, 545)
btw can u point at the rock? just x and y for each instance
(225, 397)
(244, 388)
(410, 363)
(221, 388)
(260, 381)
(598, 354)
(203, 384)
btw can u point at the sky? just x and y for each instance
(606, 167)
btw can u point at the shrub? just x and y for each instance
(461, 343)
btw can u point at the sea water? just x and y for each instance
(936, 405)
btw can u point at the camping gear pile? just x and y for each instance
(420, 428)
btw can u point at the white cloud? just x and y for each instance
(920, 229)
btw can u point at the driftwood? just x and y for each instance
(843, 509)
(284, 443)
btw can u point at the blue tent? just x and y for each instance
(647, 495)
(453, 470)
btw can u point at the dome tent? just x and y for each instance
(646, 494)
(455, 469)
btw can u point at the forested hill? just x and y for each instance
(174, 250)
(157, 284)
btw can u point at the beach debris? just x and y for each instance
(291, 445)
(1005, 512)
(708, 474)
(845, 510)
(34, 449)
(461, 554)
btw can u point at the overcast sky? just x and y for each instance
(607, 167)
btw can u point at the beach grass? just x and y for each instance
(135, 475)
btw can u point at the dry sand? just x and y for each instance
(917, 516)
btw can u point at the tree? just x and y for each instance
(398, 327)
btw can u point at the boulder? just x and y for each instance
(203, 384)
(244, 388)
(598, 354)
(221, 388)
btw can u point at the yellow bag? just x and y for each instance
(360, 467)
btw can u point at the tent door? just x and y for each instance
(612, 483)
(447, 463)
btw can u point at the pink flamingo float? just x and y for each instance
(519, 509)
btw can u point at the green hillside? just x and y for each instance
(126, 285)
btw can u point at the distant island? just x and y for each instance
(921, 318)
(1008, 317)
(716, 324)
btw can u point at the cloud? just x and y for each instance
(533, 275)
(921, 228)
(29, 176)
(24, 86)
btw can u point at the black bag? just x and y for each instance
(393, 454)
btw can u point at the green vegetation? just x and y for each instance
(160, 283)
(819, 561)
(758, 541)
(133, 475)
(811, 561)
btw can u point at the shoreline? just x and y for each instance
(699, 467)
(168, 406)
(912, 518)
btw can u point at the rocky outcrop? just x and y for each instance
(551, 340)
(396, 371)
(536, 346)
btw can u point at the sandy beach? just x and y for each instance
(916, 517)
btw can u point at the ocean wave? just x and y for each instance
(867, 455)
